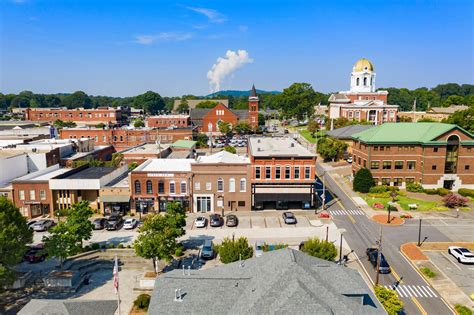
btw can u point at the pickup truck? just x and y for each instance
(372, 255)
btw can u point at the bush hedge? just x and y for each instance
(363, 181)
(389, 299)
(233, 250)
(320, 249)
(95, 246)
(142, 302)
(462, 310)
(414, 187)
(466, 192)
(431, 191)
(443, 191)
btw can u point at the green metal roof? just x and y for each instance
(188, 144)
(424, 133)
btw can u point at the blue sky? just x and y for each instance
(123, 48)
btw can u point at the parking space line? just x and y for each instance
(449, 259)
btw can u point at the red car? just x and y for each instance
(35, 254)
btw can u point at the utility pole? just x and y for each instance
(324, 192)
(419, 234)
(379, 256)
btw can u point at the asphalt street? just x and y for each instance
(361, 232)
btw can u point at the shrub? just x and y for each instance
(466, 192)
(363, 180)
(233, 250)
(389, 300)
(443, 191)
(120, 245)
(379, 189)
(95, 246)
(267, 248)
(430, 191)
(230, 149)
(454, 200)
(104, 246)
(414, 187)
(179, 250)
(320, 249)
(86, 248)
(142, 302)
(111, 245)
(428, 272)
(462, 310)
(129, 246)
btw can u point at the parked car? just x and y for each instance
(99, 223)
(232, 220)
(130, 224)
(31, 223)
(114, 222)
(289, 217)
(463, 255)
(35, 254)
(216, 220)
(349, 159)
(372, 255)
(207, 251)
(259, 248)
(43, 225)
(200, 222)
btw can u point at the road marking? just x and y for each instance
(395, 274)
(434, 294)
(421, 290)
(352, 219)
(417, 291)
(347, 212)
(448, 258)
(422, 310)
(401, 290)
(410, 289)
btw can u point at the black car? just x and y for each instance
(99, 223)
(372, 255)
(35, 254)
(216, 220)
(114, 222)
(232, 220)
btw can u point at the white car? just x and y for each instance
(463, 255)
(349, 159)
(200, 222)
(42, 225)
(130, 224)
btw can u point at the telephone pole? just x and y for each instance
(379, 256)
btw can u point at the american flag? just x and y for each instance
(116, 277)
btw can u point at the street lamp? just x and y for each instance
(209, 128)
(420, 242)
(342, 231)
(393, 195)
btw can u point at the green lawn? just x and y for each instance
(404, 202)
(307, 135)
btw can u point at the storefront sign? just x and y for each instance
(159, 175)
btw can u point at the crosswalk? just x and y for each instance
(346, 212)
(418, 291)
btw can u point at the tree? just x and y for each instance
(243, 128)
(452, 200)
(201, 140)
(157, 238)
(320, 249)
(233, 250)
(230, 149)
(453, 100)
(78, 221)
(298, 100)
(138, 123)
(330, 148)
(224, 127)
(313, 127)
(363, 180)
(150, 102)
(261, 119)
(77, 99)
(61, 243)
(183, 106)
(426, 119)
(463, 118)
(389, 300)
(14, 236)
(100, 126)
(58, 123)
(341, 122)
(207, 104)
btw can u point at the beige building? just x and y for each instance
(434, 113)
(221, 183)
(193, 103)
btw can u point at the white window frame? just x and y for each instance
(197, 186)
(259, 172)
(21, 194)
(309, 173)
(232, 185)
(243, 182)
(208, 186)
(32, 194)
(270, 173)
(42, 194)
(172, 191)
(288, 168)
(294, 172)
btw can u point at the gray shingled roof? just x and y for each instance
(348, 131)
(282, 281)
(69, 307)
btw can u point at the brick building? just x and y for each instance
(81, 116)
(283, 174)
(362, 101)
(207, 120)
(122, 138)
(157, 181)
(221, 183)
(168, 121)
(433, 154)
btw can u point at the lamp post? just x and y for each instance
(209, 128)
(393, 195)
(419, 235)
(342, 231)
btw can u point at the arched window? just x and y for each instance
(161, 187)
(365, 81)
(138, 187)
(451, 161)
(357, 81)
(231, 185)
(149, 187)
(220, 185)
(243, 185)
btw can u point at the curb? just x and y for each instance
(387, 224)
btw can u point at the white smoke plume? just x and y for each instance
(225, 66)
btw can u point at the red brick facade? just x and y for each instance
(166, 121)
(33, 198)
(217, 114)
(79, 115)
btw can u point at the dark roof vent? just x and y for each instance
(292, 145)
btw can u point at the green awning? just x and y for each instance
(115, 198)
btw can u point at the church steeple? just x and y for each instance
(253, 107)
(253, 93)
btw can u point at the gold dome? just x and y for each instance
(363, 65)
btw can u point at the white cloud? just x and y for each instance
(214, 16)
(148, 39)
(243, 28)
(226, 66)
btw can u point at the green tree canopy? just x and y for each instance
(230, 149)
(298, 100)
(150, 102)
(14, 236)
(233, 250)
(331, 148)
(224, 127)
(207, 104)
(454, 100)
(320, 249)
(78, 221)
(363, 180)
(183, 106)
(138, 123)
(463, 118)
(243, 128)
(313, 127)
(61, 242)
(77, 99)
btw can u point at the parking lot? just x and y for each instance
(462, 275)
